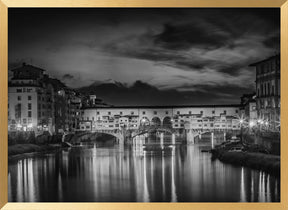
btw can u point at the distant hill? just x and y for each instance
(139, 93)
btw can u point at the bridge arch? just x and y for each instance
(144, 122)
(156, 122)
(167, 122)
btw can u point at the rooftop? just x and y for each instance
(26, 67)
(166, 107)
(267, 59)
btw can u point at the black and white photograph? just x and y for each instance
(144, 105)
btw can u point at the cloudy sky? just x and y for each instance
(200, 54)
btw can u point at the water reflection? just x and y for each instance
(117, 173)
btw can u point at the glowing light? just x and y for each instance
(30, 125)
(19, 126)
(266, 123)
(251, 124)
(241, 121)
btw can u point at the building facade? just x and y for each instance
(30, 101)
(39, 103)
(268, 91)
(198, 117)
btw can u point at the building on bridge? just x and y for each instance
(219, 117)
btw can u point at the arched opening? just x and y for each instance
(167, 122)
(156, 122)
(144, 123)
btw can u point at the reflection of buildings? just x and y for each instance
(268, 90)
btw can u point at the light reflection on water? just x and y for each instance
(117, 173)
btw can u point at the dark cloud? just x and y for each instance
(185, 36)
(67, 77)
(141, 93)
(203, 54)
(273, 42)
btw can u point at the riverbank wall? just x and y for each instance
(29, 137)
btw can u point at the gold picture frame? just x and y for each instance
(5, 4)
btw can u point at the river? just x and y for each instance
(114, 173)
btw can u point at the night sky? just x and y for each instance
(180, 56)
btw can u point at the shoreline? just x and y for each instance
(23, 150)
(254, 160)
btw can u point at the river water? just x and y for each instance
(114, 173)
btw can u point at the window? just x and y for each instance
(166, 112)
(178, 112)
(92, 118)
(201, 112)
(19, 90)
(224, 112)
(132, 113)
(29, 106)
(29, 98)
(29, 114)
(109, 113)
(98, 113)
(29, 89)
(87, 118)
(121, 113)
(190, 112)
(155, 112)
(213, 112)
(236, 111)
(19, 98)
(143, 112)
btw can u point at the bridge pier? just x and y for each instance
(190, 137)
(212, 140)
(121, 139)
